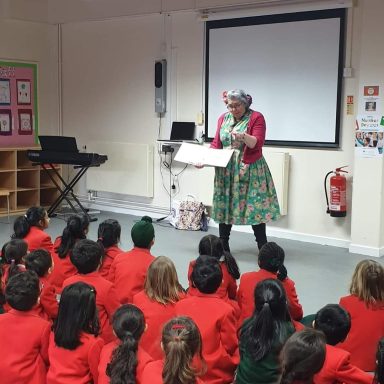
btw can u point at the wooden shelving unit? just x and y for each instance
(28, 185)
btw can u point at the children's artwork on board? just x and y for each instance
(5, 122)
(5, 92)
(18, 92)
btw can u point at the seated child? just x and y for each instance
(212, 245)
(271, 263)
(123, 360)
(86, 257)
(75, 230)
(24, 335)
(263, 335)
(129, 269)
(379, 372)
(302, 357)
(365, 304)
(74, 347)
(162, 291)
(335, 323)
(30, 228)
(216, 321)
(181, 341)
(108, 235)
(40, 261)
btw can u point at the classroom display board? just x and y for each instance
(18, 104)
(292, 66)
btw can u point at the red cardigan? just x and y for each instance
(153, 373)
(338, 369)
(77, 366)
(248, 282)
(367, 328)
(105, 357)
(109, 255)
(24, 338)
(217, 323)
(128, 272)
(62, 268)
(156, 315)
(37, 238)
(256, 128)
(48, 306)
(106, 300)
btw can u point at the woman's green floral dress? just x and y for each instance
(243, 193)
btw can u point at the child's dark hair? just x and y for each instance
(181, 341)
(303, 355)
(13, 253)
(86, 256)
(207, 274)
(334, 321)
(379, 372)
(128, 325)
(23, 224)
(39, 261)
(77, 313)
(267, 327)
(22, 291)
(212, 245)
(271, 258)
(75, 229)
(109, 233)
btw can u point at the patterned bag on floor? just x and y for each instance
(190, 214)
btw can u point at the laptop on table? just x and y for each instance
(182, 132)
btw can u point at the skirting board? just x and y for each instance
(365, 250)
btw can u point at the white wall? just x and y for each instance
(35, 42)
(109, 92)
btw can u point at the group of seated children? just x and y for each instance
(83, 311)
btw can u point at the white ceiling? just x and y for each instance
(64, 11)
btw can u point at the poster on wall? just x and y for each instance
(369, 135)
(18, 92)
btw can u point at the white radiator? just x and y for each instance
(278, 163)
(129, 169)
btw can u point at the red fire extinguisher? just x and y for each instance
(337, 206)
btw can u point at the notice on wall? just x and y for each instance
(371, 99)
(369, 135)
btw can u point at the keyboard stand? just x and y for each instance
(67, 190)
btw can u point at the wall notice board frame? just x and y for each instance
(291, 64)
(18, 104)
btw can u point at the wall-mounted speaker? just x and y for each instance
(160, 85)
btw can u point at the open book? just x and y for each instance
(198, 154)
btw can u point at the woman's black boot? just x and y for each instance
(260, 234)
(224, 232)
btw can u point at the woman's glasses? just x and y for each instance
(233, 106)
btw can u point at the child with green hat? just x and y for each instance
(129, 269)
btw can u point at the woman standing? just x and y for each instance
(244, 192)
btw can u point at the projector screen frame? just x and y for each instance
(339, 13)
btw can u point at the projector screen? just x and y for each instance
(291, 65)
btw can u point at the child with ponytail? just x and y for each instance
(74, 345)
(108, 235)
(181, 342)
(263, 335)
(302, 357)
(122, 361)
(30, 228)
(212, 245)
(76, 229)
(271, 262)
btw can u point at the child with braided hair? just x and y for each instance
(181, 342)
(123, 360)
(271, 262)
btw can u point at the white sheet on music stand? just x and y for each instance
(198, 154)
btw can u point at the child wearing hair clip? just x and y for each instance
(182, 345)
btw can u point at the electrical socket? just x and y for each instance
(167, 148)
